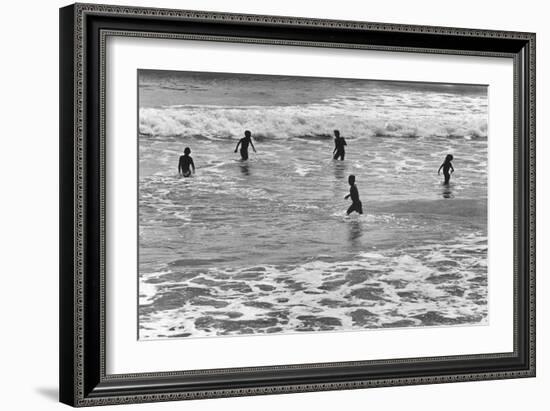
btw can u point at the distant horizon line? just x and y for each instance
(282, 76)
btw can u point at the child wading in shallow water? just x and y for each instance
(339, 146)
(186, 163)
(447, 166)
(244, 142)
(354, 194)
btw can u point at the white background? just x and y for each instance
(29, 206)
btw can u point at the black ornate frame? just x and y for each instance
(83, 31)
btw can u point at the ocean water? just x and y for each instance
(265, 246)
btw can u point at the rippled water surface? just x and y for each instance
(264, 246)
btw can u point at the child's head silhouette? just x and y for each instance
(351, 179)
(449, 157)
(187, 150)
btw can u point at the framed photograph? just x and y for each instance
(261, 204)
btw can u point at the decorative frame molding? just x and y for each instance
(84, 29)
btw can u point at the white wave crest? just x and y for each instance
(313, 120)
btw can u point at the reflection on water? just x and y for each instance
(447, 191)
(245, 169)
(355, 233)
(339, 169)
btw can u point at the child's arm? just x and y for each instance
(452, 168)
(440, 167)
(252, 144)
(193, 165)
(179, 167)
(236, 148)
(344, 142)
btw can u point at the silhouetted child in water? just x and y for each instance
(185, 164)
(339, 143)
(447, 166)
(354, 194)
(244, 142)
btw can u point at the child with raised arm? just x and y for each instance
(354, 194)
(186, 163)
(244, 142)
(447, 168)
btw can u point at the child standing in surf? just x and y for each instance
(244, 142)
(356, 204)
(447, 168)
(339, 144)
(186, 163)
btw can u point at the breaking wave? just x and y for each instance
(306, 121)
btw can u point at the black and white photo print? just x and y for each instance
(278, 204)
